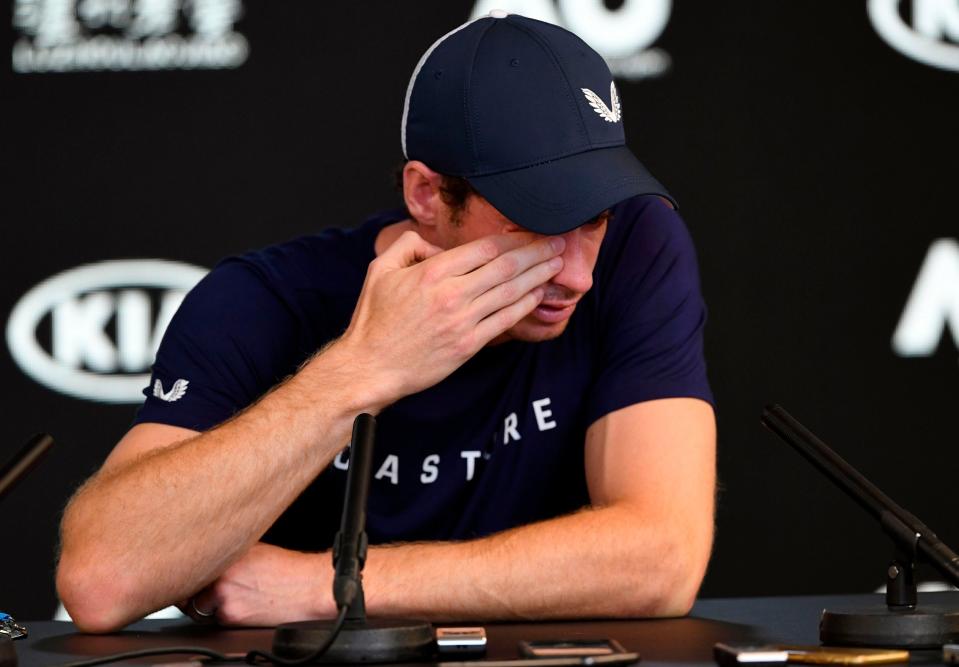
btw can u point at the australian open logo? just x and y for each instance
(92, 332)
(89, 35)
(925, 30)
(623, 36)
(932, 308)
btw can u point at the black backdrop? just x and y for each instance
(814, 163)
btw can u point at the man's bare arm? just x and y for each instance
(165, 517)
(641, 550)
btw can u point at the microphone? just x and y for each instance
(908, 532)
(350, 544)
(24, 461)
(10, 474)
(353, 637)
(900, 623)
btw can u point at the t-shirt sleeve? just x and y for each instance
(651, 312)
(230, 341)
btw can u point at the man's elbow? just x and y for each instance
(680, 599)
(684, 575)
(95, 598)
(669, 589)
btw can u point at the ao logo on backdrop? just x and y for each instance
(75, 35)
(933, 305)
(930, 37)
(105, 322)
(622, 36)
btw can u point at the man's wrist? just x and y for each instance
(320, 567)
(360, 384)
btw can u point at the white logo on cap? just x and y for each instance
(609, 115)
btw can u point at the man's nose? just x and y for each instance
(577, 272)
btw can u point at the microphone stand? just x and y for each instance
(900, 623)
(11, 473)
(360, 639)
(24, 461)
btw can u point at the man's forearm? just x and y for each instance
(605, 562)
(157, 529)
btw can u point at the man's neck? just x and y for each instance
(390, 233)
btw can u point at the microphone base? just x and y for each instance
(8, 655)
(926, 626)
(371, 640)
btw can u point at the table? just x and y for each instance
(674, 642)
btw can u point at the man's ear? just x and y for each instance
(421, 192)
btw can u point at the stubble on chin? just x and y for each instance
(531, 330)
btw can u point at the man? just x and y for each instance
(528, 331)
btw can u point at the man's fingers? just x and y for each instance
(496, 323)
(511, 264)
(511, 291)
(471, 256)
(409, 249)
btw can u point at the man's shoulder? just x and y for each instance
(331, 259)
(308, 282)
(650, 217)
(310, 260)
(642, 229)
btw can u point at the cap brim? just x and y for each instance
(557, 196)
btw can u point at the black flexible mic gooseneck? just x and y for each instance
(349, 547)
(358, 638)
(908, 532)
(24, 461)
(900, 622)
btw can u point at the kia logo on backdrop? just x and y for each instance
(103, 323)
(930, 36)
(622, 36)
(77, 35)
(933, 304)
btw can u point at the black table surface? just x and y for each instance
(676, 641)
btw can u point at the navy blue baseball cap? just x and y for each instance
(529, 115)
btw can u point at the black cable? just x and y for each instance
(252, 656)
(147, 652)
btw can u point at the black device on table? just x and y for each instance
(561, 653)
(734, 654)
(560, 648)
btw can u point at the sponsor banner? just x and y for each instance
(103, 322)
(929, 36)
(933, 305)
(623, 36)
(87, 35)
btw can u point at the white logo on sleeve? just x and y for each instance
(176, 391)
(599, 106)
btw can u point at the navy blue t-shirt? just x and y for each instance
(500, 442)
